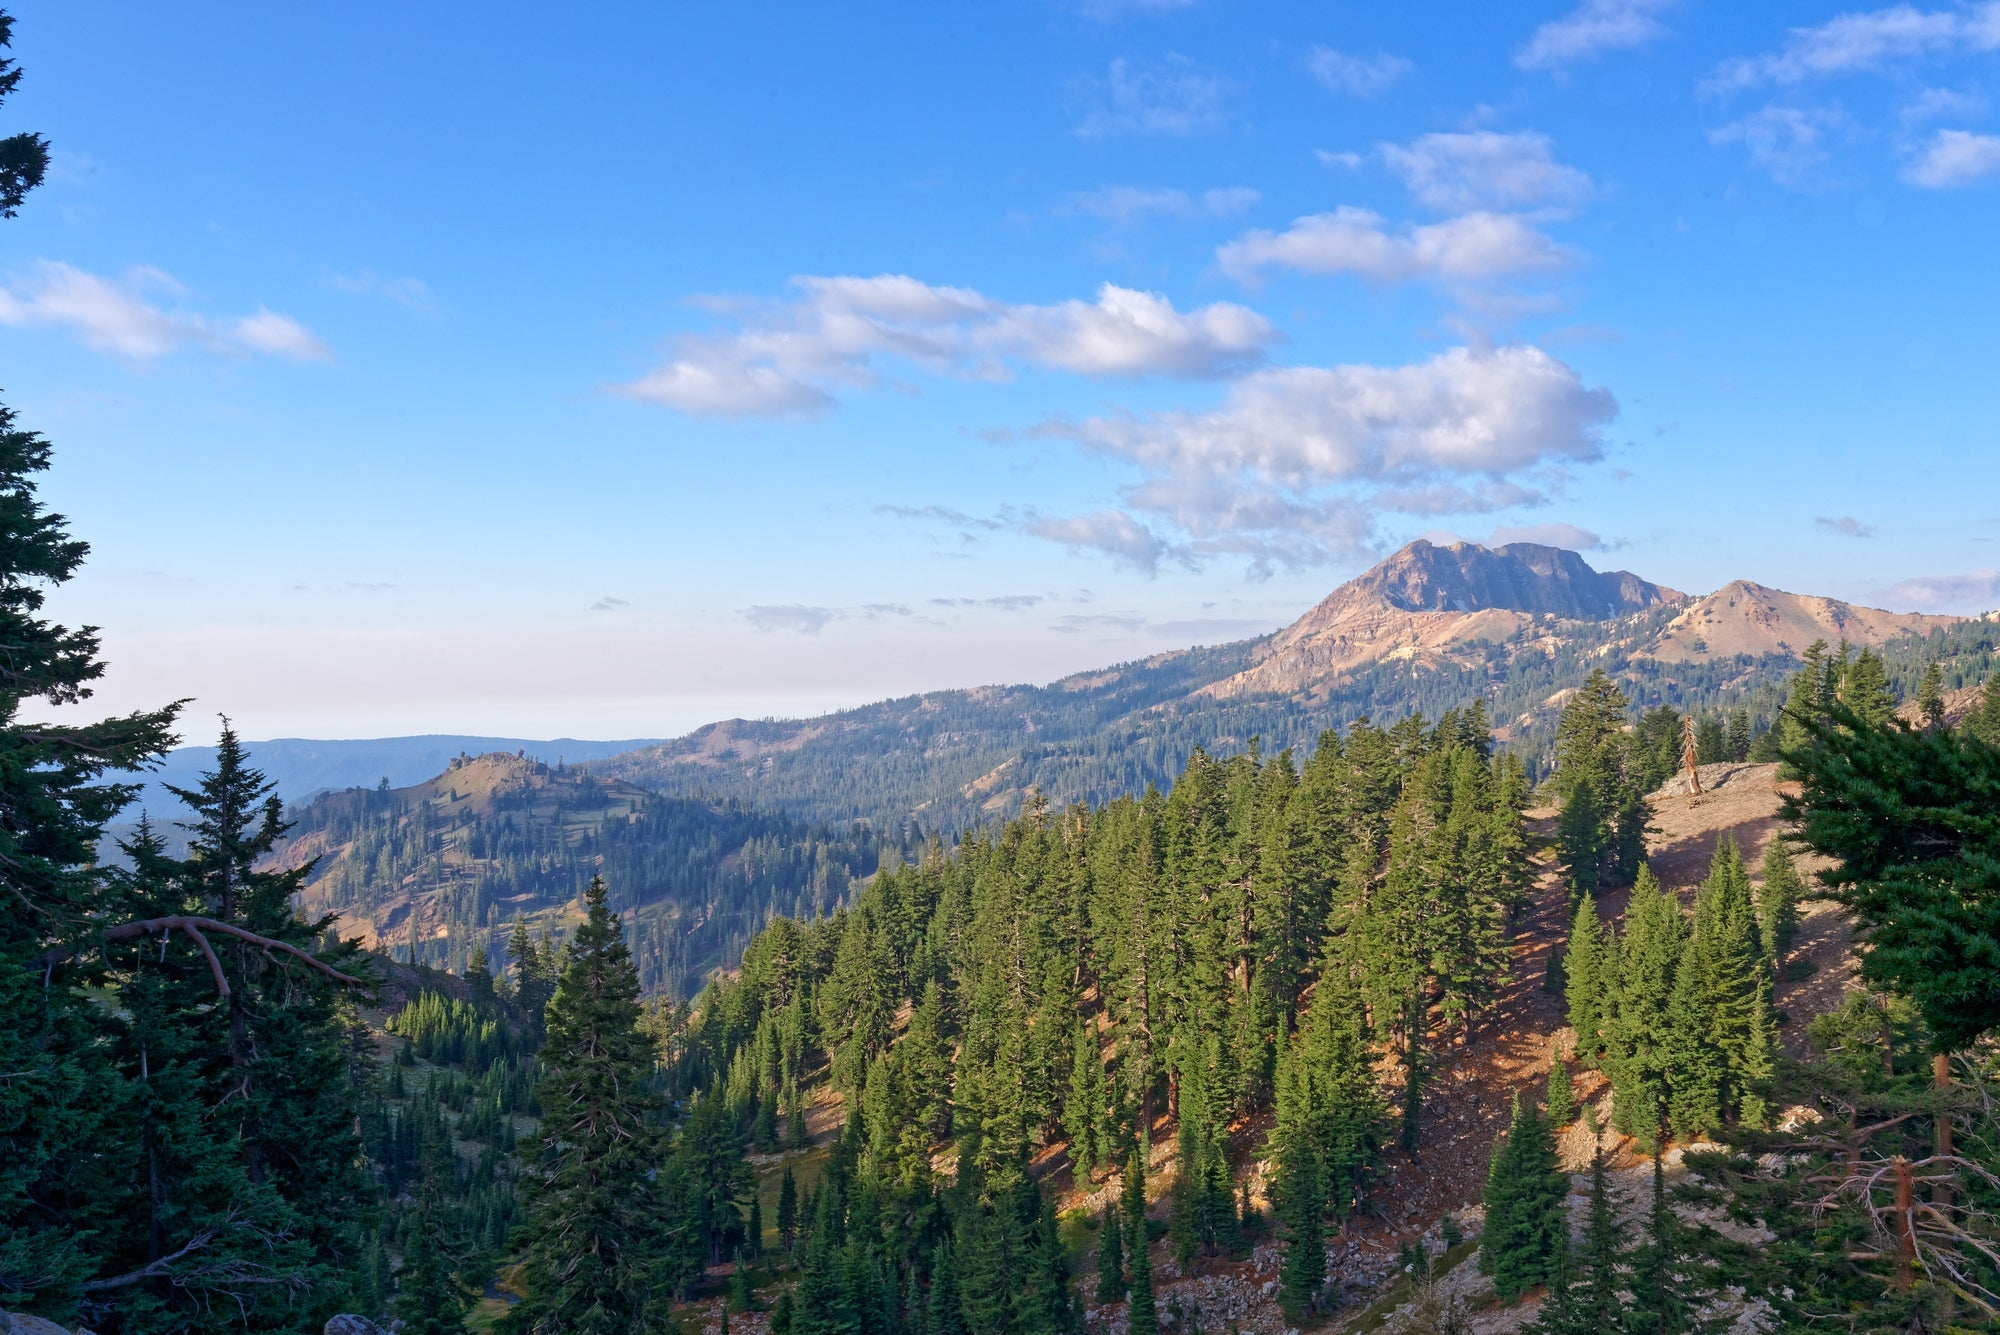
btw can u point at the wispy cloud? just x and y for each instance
(122, 316)
(1788, 142)
(795, 618)
(1935, 104)
(1862, 42)
(1953, 158)
(1356, 76)
(1127, 204)
(1293, 466)
(412, 294)
(1475, 246)
(1173, 96)
(785, 358)
(1593, 28)
(807, 619)
(1005, 602)
(1487, 169)
(1567, 536)
(942, 514)
(1845, 526)
(1978, 591)
(607, 604)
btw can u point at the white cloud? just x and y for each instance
(116, 316)
(1473, 247)
(1567, 536)
(1173, 96)
(1845, 526)
(1463, 411)
(607, 604)
(1942, 104)
(1954, 158)
(1126, 204)
(1861, 42)
(1787, 142)
(1486, 169)
(1112, 532)
(1976, 592)
(276, 335)
(795, 618)
(1357, 76)
(411, 294)
(1592, 28)
(784, 357)
(1292, 467)
(806, 619)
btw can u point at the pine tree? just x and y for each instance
(1111, 1258)
(1668, 1282)
(1865, 690)
(1778, 902)
(1806, 703)
(1641, 1059)
(1083, 1110)
(1588, 1298)
(1711, 741)
(1590, 981)
(429, 1298)
(1724, 1046)
(1601, 829)
(1301, 1192)
(944, 1314)
(1983, 723)
(1525, 1223)
(788, 1208)
(1561, 1099)
(1930, 697)
(1738, 747)
(592, 1209)
(1143, 1318)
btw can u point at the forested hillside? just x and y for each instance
(951, 760)
(438, 869)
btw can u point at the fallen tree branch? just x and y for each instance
(194, 928)
(150, 1270)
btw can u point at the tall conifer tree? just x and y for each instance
(1525, 1225)
(593, 1209)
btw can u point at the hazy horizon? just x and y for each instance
(773, 360)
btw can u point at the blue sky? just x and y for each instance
(608, 369)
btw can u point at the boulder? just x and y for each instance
(20, 1323)
(348, 1324)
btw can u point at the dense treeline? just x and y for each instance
(705, 875)
(1250, 939)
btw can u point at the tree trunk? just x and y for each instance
(1941, 1082)
(1906, 1238)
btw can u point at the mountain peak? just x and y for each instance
(1428, 597)
(1516, 577)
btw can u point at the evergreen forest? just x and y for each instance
(1193, 1012)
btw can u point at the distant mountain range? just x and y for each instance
(301, 767)
(1432, 627)
(706, 833)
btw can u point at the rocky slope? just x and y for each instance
(1746, 618)
(1426, 599)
